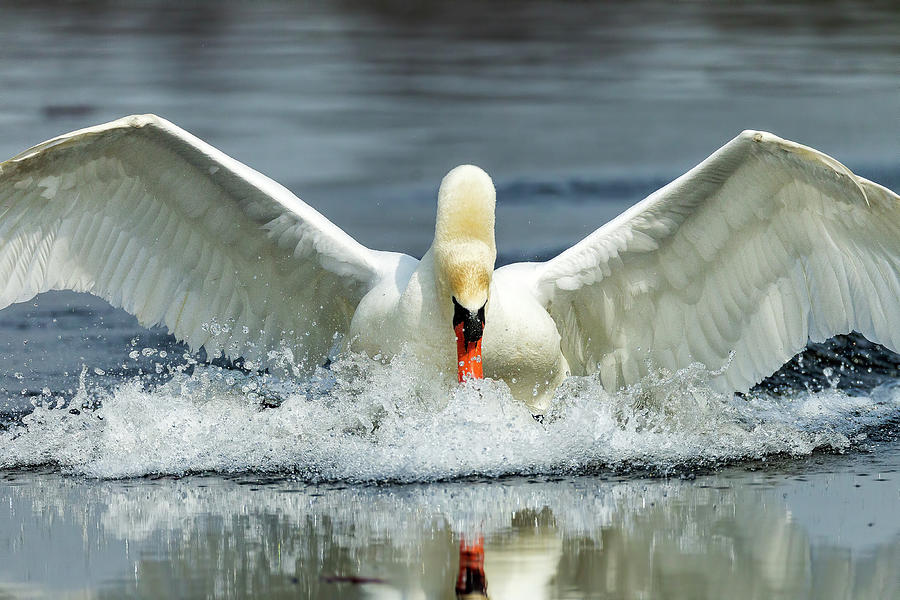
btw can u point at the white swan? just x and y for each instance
(761, 247)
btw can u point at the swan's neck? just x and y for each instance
(464, 248)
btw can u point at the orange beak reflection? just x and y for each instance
(471, 581)
(468, 356)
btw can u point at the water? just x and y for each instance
(359, 422)
(766, 532)
(133, 470)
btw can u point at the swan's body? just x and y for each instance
(761, 247)
(521, 342)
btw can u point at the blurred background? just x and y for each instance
(577, 109)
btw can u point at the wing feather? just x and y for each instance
(152, 219)
(763, 246)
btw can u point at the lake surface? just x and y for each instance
(822, 527)
(129, 470)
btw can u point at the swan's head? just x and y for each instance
(464, 255)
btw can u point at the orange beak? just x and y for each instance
(468, 356)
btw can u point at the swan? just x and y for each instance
(737, 264)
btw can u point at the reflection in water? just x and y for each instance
(471, 581)
(732, 534)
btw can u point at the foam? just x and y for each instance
(362, 421)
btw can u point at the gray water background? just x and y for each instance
(577, 110)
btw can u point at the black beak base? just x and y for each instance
(472, 320)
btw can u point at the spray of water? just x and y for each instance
(361, 420)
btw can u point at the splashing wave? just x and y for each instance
(361, 421)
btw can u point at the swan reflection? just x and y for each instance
(734, 534)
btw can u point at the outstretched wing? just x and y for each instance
(763, 246)
(154, 220)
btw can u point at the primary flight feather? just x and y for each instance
(736, 265)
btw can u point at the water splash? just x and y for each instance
(364, 421)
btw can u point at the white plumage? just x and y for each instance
(763, 246)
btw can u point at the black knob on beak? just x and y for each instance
(472, 320)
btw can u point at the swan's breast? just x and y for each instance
(521, 346)
(404, 314)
